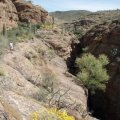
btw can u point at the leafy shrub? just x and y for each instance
(62, 115)
(92, 71)
(50, 53)
(51, 114)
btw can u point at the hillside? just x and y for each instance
(73, 15)
(68, 16)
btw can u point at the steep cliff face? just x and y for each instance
(8, 14)
(27, 12)
(12, 11)
(105, 38)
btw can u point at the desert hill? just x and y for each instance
(70, 15)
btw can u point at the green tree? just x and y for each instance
(92, 71)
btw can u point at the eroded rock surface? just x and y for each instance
(25, 69)
(27, 12)
(14, 11)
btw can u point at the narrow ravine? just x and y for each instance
(97, 102)
(76, 51)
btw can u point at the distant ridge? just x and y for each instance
(70, 15)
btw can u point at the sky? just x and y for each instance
(64, 5)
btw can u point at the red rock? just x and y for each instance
(8, 14)
(27, 12)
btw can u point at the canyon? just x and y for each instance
(27, 74)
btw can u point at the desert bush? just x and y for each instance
(47, 26)
(40, 51)
(62, 115)
(31, 54)
(78, 33)
(3, 44)
(38, 26)
(2, 73)
(12, 35)
(20, 33)
(49, 81)
(92, 71)
(34, 27)
(43, 115)
(42, 94)
(51, 114)
(50, 53)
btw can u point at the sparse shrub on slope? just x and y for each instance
(49, 81)
(2, 73)
(62, 115)
(46, 87)
(22, 32)
(92, 71)
(51, 114)
(19, 34)
(3, 44)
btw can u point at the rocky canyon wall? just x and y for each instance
(8, 14)
(105, 39)
(13, 11)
